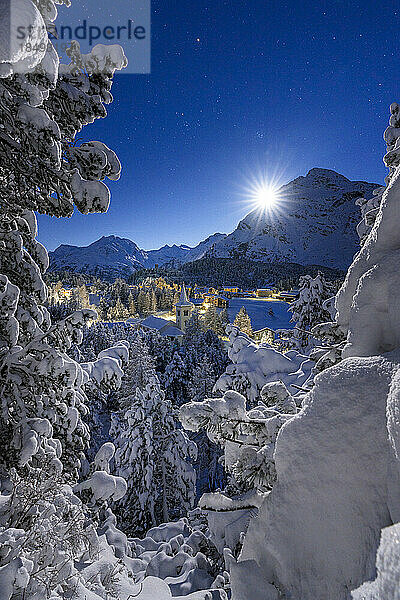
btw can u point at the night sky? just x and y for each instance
(239, 88)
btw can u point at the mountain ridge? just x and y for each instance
(315, 223)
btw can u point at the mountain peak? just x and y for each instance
(315, 223)
(329, 173)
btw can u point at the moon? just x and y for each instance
(266, 197)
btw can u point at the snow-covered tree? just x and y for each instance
(143, 302)
(243, 322)
(247, 437)
(41, 170)
(44, 529)
(103, 310)
(252, 366)
(216, 352)
(82, 296)
(208, 468)
(139, 372)
(152, 455)
(308, 310)
(119, 312)
(223, 315)
(212, 321)
(160, 349)
(132, 306)
(175, 380)
(332, 340)
(202, 380)
(152, 301)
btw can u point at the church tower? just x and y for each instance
(184, 309)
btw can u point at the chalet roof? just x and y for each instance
(264, 329)
(197, 301)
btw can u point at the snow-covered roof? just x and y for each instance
(94, 299)
(183, 300)
(155, 322)
(172, 331)
(218, 296)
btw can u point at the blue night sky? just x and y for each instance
(238, 87)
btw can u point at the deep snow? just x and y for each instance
(259, 315)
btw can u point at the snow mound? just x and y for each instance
(318, 530)
(21, 17)
(387, 584)
(368, 304)
(177, 553)
(253, 366)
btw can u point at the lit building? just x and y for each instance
(184, 309)
(265, 293)
(216, 300)
(264, 335)
(65, 293)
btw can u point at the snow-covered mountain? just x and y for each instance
(114, 256)
(110, 255)
(314, 223)
(182, 254)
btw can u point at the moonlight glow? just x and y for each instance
(263, 191)
(266, 197)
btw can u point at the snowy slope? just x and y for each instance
(115, 256)
(315, 223)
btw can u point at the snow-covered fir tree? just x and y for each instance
(175, 380)
(143, 303)
(243, 322)
(202, 380)
(152, 456)
(103, 310)
(308, 309)
(247, 437)
(119, 312)
(131, 306)
(209, 471)
(45, 529)
(139, 372)
(213, 321)
(152, 301)
(160, 349)
(223, 315)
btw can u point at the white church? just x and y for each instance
(183, 310)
